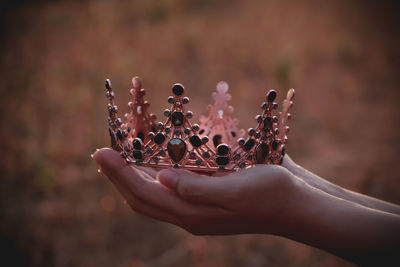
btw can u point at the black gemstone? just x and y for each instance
(167, 129)
(261, 153)
(185, 100)
(151, 135)
(189, 114)
(140, 135)
(177, 89)
(267, 124)
(206, 154)
(108, 84)
(167, 112)
(177, 118)
(120, 135)
(192, 154)
(137, 143)
(222, 149)
(217, 139)
(170, 99)
(242, 165)
(198, 162)
(159, 138)
(274, 145)
(137, 154)
(249, 144)
(112, 136)
(195, 141)
(241, 141)
(204, 139)
(201, 131)
(195, 127)
(156, 159)
(259, 118)
(251, 131)
(187, 131)
(283, 151)
(162, 152)
(271, 95)
(222, 160)
(233, 134)
(237, 156)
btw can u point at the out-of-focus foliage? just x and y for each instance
(342, 57)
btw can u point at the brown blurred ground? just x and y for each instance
(342, 57)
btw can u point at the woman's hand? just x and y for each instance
(255, 200)
(262, 199)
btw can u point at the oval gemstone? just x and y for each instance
(137, 143)
(267, 124)
(177, 118)
(195, 141)
(176, 149)
(222, 149)
(271, 95)
(159, 138)
(274, 145)
(137, 154)
(178, 89)
(249, 144)
(222, 160)
(261, 153)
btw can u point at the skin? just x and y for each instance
(286, 200)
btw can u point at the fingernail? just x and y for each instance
(168, 178)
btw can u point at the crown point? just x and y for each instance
(271, 95)
(178, 89)
(137, 83)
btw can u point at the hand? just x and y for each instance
(262, 199)
(255, 200)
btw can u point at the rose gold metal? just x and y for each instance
(265, 143)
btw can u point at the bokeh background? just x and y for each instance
(342, 57)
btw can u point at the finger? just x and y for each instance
(143, 208)
(201, 189)
(148, 191)
(150, 171)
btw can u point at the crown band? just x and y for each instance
(179, 143)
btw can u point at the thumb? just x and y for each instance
(197, 188)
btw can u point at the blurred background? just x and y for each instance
(342, 57)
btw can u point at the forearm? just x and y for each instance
(335, 190)
(359, 234)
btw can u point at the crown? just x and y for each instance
(215, 145)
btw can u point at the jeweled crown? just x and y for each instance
(215, 145)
